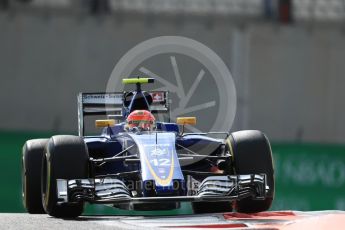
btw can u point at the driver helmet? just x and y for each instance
(142, 119)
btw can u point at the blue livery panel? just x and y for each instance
(158, 158)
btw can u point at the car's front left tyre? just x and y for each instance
(252, 154)
(211, 207)
(66, 157)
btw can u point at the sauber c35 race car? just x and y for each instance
(140, 163)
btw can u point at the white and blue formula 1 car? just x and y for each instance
(140, 163)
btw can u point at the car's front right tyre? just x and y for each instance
(66, 157)
(33, 151)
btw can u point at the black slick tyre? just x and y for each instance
(252, 154)
(33, 151)
(66, 157)
(211, 207)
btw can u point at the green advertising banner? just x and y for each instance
(308, 177)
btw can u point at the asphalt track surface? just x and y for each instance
(287, 220)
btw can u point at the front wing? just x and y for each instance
(113, 191)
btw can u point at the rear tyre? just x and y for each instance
(33, 151)
(252, 155)
(211, 207)
(66, 157)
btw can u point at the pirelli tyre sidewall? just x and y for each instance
(252, 154)
(32, 153)
(66, 157)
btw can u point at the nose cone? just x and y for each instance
(160, 167)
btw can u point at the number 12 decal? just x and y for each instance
(161, 162)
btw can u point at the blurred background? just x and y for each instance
(286, 58)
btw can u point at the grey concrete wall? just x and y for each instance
(289, 79)
(296, 83)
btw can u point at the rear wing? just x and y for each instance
(112, 105)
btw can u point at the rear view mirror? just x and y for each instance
(105, 123)
(186, 120)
